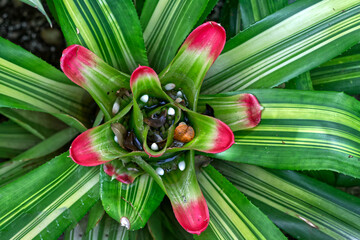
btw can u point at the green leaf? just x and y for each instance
(96, 213)
(301, 82)
(139, 4)
(302, 130)
(40, 124)
(37, 4)
(130, 204)
(230, 18)
(209, 8)
(166, 23)
(296, 202)
(109, 229)
(31, 84)
(159, 226)
(340, 74)
(254, 11)
(49, 145)
(44, 202)
(232, 216)
(109, 28)
(285, 44)
(14, 139)
(35, 156)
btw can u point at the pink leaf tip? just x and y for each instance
(253, 109)
(193, 216)
(82, 152)
(209, 35)
(74, 59)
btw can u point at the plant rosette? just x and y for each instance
(152, 126)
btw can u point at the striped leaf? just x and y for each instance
(301, 82)
(339, 74)
(104, 28)
(40, 124)
(302, 206)
(49, 145)
(166, 23)
(130, 204)
(14, 139)
(44, 202)
(302, 130)
(35, 156)
(109, 229)
(285, 44)
(37, 4)
(253, 11)
(32, 84)
(232, 216)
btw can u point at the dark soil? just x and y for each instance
(27, 27)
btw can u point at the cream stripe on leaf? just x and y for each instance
(134, 202)
(280, 47)
(340, 74)
(232, 216)
(53, 196)
(170, 22)
(39, 86)
(102, 26)
(294, 201)
(300, 130)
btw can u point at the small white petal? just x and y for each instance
(261, 108)
(144, 98)
(154, 147)
(182, 165)
(169, 86)
(171, 111)
(179, 94)
(77, 31)
(125, 222)
(160, 171)
(116, 107)
(182, 123)
(178, 100)
(116, 139)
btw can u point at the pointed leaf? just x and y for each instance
(90, 72)
(231, 214)
(96, 213)
(38, 86)
(158, 19)
(238, 112)
(295, 201)
(130, 204)
(186, 198)
(302, 130)
(40, 124)
(285, 44)
(196, 55)
(37, 4)
(103, 27)
(44, 202)
(14, 139)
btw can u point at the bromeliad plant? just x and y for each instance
(156, 122)
(140, 125)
